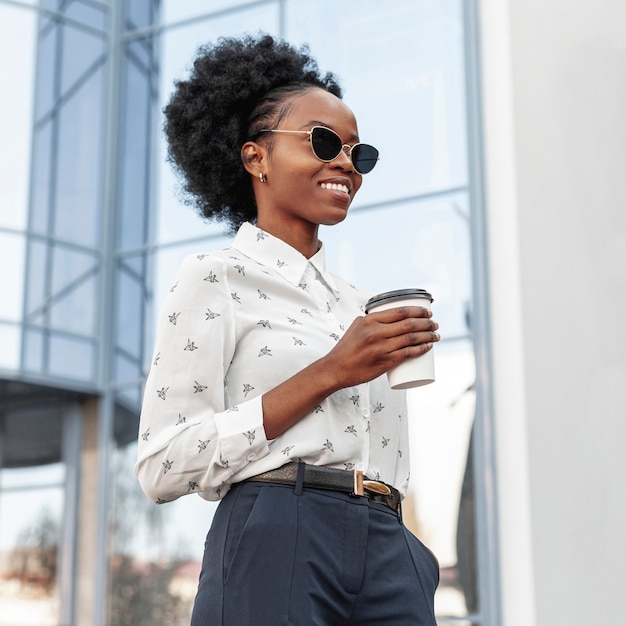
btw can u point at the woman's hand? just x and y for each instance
(371, 346)
(377, 342)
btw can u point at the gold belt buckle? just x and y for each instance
(360, 485)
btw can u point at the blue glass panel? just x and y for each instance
(142, 51)
(135, 135)
(139, 14)
(92, 15)
(71, 358)
(33, 355)
(41, 179)
(80, 51)
(129, 312)
(46, 70)
(131, 397)
(36, 281)
(174, 10)
(128, 369)
(73, 291)
(402, 73)
(79, 164)
(424, 245)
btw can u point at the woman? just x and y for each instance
(267, 388)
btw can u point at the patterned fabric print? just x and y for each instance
(236, 324)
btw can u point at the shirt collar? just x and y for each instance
(273, 252)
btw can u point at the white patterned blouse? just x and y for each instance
(236, 324)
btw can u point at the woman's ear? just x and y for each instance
(253, 157)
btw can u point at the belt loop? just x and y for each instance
(300, 479)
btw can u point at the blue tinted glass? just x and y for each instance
(36, 281)
(128, 368)
(135, 134)
(81, 50)
(129, 312)
(141, 51)
(73, 291)
(424, 245)
(79, 164)
(71, 358)
(46, 55)
(33, 355)
(174, 10)
(41, 179)
(131, 396)
(139, 14)
(401, 68)
(89, 14)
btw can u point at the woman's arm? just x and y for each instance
(371, 346)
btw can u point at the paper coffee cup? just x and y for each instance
(416, 371)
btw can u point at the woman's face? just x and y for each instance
(301, 191)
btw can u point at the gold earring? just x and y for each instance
(262, 177)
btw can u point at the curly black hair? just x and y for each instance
(235, 89)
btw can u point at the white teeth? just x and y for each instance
(335, 187)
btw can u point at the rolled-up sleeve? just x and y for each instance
(190, 438)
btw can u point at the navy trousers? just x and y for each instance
(279, 557)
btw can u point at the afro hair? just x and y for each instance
(236, 87)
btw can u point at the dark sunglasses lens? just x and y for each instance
(364, 158)
(326, 144)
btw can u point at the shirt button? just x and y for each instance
(251, 457)
(309, 270)
(330, 316)
(365, 412)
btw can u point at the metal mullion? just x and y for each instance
(485, 478)
(107, 298)
(70, 454)
(52, 203)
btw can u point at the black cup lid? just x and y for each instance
(398, 294)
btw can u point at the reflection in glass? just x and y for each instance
(156, 551)
(73, 287)
(88, 14)
(135, 167)
(71, 357)
(439, 506)
(82, 51)
(30, 527)
(31, 505)
(402, 70)
(78, 168)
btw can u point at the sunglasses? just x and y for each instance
(327, 146)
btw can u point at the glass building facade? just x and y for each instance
(92, 230)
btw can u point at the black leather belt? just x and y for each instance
(319, 477)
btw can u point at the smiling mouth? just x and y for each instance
(335, 187)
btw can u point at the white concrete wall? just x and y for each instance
(554, 104)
